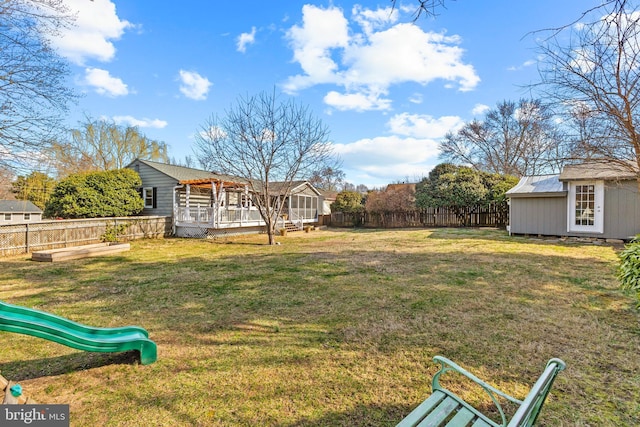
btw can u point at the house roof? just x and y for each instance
(279, 187)
(18, 206)
(599, 170)
(328, 195)
(185, 175)
(198, 177)
(400, 186)
(538, 186)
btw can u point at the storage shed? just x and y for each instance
(596, 199)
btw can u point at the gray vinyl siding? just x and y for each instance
(18, 218)
(164, 188)
(538, 215)
(621, 210)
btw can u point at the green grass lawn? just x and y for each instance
(330, 328)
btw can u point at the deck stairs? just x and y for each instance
(291, 226)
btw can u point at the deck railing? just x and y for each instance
(230, 217)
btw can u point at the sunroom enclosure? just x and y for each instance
(230, 205)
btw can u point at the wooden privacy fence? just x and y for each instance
(25, 238)
(493, 215)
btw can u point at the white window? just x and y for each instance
(586, 206)
(149, 196)
(7, 217)
(27, 216)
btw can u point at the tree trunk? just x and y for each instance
(271, 232)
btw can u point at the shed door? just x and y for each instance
(586, 206)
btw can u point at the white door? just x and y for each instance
(586, 206)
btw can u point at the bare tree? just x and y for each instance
(100, 145)
(591, 71)
(513, 139)
(33, 95)
(327, 178)
(426, 7)
(7, 178)
(395, 198)
(270, 143)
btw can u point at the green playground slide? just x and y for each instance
(28, 321)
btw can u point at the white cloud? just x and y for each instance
(416, 98)
(409, 152)
(386, 158)
(525, 64)
(214, 132)
(193, 85)
(423, 126)
(103, 83)
(245, 39)
(369, 62)
(357, 101)
(384, 150)
(371, 20)
(142, 123)
(480, 109)
(97, 24)
(321, 31)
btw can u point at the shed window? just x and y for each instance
(27, 216)
(7, 217)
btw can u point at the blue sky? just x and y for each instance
(388, 88)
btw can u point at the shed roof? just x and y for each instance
(599, 170)
(538, 186)
(18, 206)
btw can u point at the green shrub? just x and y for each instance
(629, 269)
(96, 195)
(348, 202)
(113, 231)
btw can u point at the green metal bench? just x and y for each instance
(444, 409)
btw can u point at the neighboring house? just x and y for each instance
(408, 188)
(328, 198)
(599, 200)
(203, 203)
(19, 212)
(396, 187)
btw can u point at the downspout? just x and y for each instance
(175, 209)
(508, 225)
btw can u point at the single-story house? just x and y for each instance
(19, 212)
(596, 200)
(204, 203)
